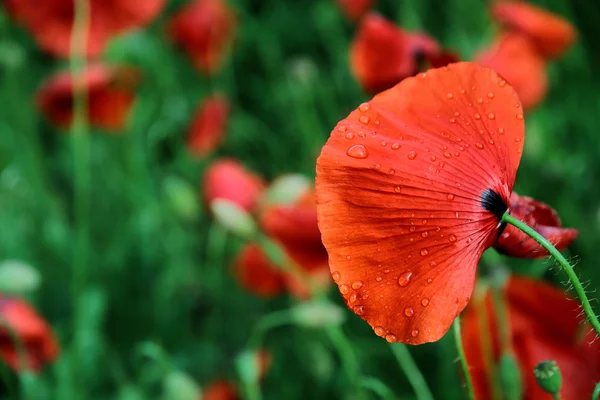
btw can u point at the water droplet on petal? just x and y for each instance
(492, 116)
(409, 312)
(349, 135)
(404, 279)
(519, 116)
(424, 234)
(397, 189)
(491, 95)
(342, 129)
(501, 83)
(359, 310)
(364, 107)
(449, 95)
(383, 143)
(424, 252)
(344, 289)
(336, 276)
(452, 238)
(477, 116)
(500, 131)
(414, 333)
(479, 145)
(447, 155)
(412, 228)
(412, 155)
(395, 146)
(392, 172)
(357, 285)
(429, 280)
(450, 196)
(432, 158)
(480, 101)
(352, 298)
(379, 331)
(379, 279)
(364, 119)
(425, 302)
(391, 338)
(358, 151)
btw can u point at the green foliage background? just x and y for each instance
(160, 268)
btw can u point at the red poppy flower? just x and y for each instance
(383, 54)
(411, 187)
(543, 219)
(355, 9)
(544, 325)
(220, 390)
(551, 34)
(257, 274)
(36, 336)
(51, 21)
(228, 179)
(110, 96)
(515, 58)
(208, 127)
(205, 30)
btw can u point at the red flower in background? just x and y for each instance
(109, 91)
(515, 58)
(551, 34)
(34, 333)
(51, 21)
(257, 274)
(544, 325)
(205, 30)
(382, 54)
(355, 9)
(543, 219)
(228, 179)
(220, 390)
(411, 188)
(208, 127)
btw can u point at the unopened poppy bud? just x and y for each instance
(17, 277)
(233, 218)
(248, 367)
(510, 376)
(547, 374)
(179, 386)
(181, 197)
(317, 314)
(286, 190)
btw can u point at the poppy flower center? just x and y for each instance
(492, 202)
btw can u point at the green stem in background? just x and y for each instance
(585, 303)
(463, 359)
(596, 393)
(346, 353)
(23, 367)
(377, 387)
(486, 344)
(81, 146)
(265, 324)
(410, 369)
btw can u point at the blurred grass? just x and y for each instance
(160, 275)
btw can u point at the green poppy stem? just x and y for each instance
(596, 393)
(566, 266)
(410, 369)
(463, 359)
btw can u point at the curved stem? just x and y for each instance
(585, 303)
(377, 387)
(410, 369)
(346, 353)
(463, 359)
(596, 393)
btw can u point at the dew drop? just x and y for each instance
(452, 238)
(491, 141)
(395, 146)
(432, 158)
(392, 172)
(357, 285)
(404, 279)
(348, 258)
(364, 107)
(352, 298)
(359, 310)
(414, 333)
(519, 116)
(424, 221)
(412, 228)
(383, 143)
(501, 83)
(424, 234)
(492, 116)
(336, 276)
(477, 116)
(342, 129)
(501, 131)
(379, 331)
(364, 119)
(409, 312)
(456, 113)
(377, 166)
(479, 145)
(349, 135)
(391, 338)
(517, 140)
(447, 155)
(480, 101)
(425, 302)
(358, 151)
(397, 189)
(452, 120)
(424, 252)
(412, 155)
(491, 95)
(362, 134)
(429, 280)
(449, 95)
(379, 279)
(344, 289)
(450, 196)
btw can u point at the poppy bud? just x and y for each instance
(547, 374)
(248, 367)
(181, 197)
(233, 218)
(286, 190)
(17, 277)
(179, 386)
(510, 376)
(315, 314)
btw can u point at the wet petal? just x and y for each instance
(543, 219)
(400, 190)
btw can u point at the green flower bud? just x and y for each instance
(179, 386)
(18, 278)
(233, 218)
(286, 190)
(510, 376)
(315, 314)
(548, 377)
(181, 197)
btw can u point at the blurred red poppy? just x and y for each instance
(36, 336)
(411, 187)
(204, 29)
(220, 390)
(51, 21)
(228, 179)
(209, 124)
(355, 9)
(543, 219)
(110, 95)
(551, 34)
(516, 60)
(382, 54)
(544, 325)
(257, 274)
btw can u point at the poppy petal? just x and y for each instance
(403, 188)
(551, 34)
(355, 9)
(541, 217)
(515, 58)
(208, 127)
(257, 274)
